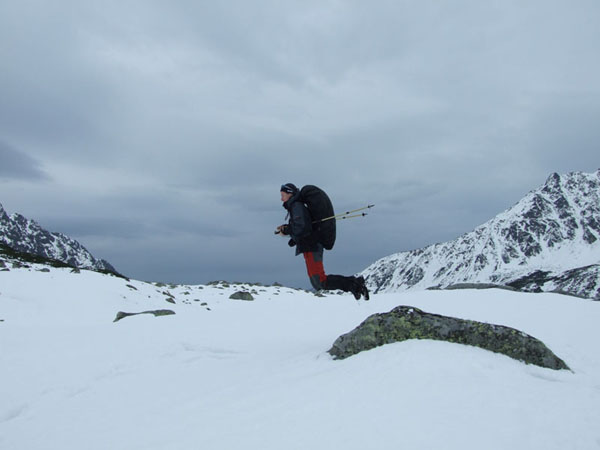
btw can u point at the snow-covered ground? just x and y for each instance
(232, 374)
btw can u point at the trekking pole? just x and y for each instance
(351, 217)
(342, 215)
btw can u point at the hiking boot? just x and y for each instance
(347, 284)
(356, 289)
(361, 289)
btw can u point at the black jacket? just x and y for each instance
(300, 226)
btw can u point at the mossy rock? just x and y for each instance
(242, 295)
(405, 322)
(156, 313)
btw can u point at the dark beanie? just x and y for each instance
(289, 188)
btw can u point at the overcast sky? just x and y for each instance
(158, 133)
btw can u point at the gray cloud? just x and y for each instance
(166, 129)
(15, 164)
(565, 124)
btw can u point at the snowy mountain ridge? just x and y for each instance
(548, 241)
(27, 236)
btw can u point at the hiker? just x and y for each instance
(306, 238)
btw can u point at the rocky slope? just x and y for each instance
(548, 241)
(27, 236)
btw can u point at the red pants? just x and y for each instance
(314, 266)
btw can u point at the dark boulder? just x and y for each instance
(405, 322)
(242, 295)
(156, 313)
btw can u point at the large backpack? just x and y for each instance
(320, 207)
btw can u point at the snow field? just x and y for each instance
(256, 375)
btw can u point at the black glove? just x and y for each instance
(283, 230)
(291, 242)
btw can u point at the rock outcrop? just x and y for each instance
(406, 322)
(242, 295)
(155, 313)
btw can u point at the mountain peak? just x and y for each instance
(553, 180)
(552, 230)
(27, 236)
(3, 214)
